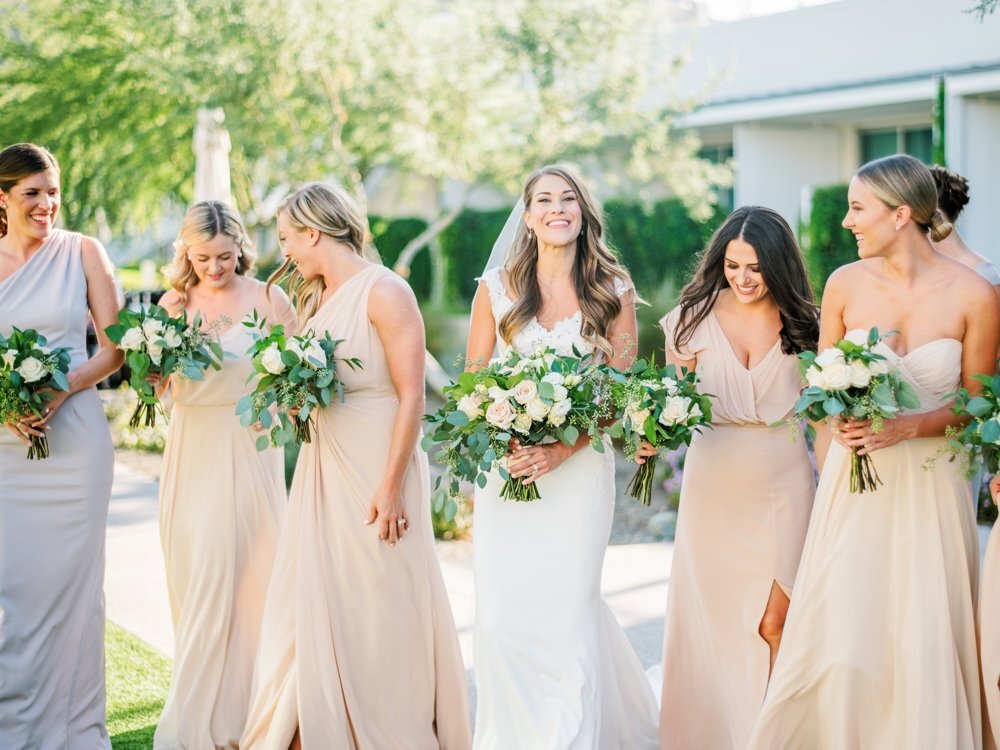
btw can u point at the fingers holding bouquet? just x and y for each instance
(860, 435)
(534, 461)
(644, 451)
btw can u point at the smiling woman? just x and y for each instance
(53, 515)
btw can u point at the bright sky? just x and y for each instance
(732, 10)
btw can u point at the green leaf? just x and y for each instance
(289, 359)
(457, 418)
(262, 442)
(990, 432)
(832, 407)
(481, 480)
(570, 435)
(979, 407)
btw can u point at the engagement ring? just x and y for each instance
(400, 520)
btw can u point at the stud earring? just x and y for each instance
(531, 233)
(897, 227)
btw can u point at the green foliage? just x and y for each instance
(138, 680)
(466, 245)
(826, 244)
(390, 237)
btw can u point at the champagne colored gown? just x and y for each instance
(879, 648)
(989, 635)
(53, 515)
(358, 645)
(554, 670)
(745, 500)
(221, 503)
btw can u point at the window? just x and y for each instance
(720, 155)
(913, 141)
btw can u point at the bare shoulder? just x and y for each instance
(391, 290)
(171, 301)
(93, 254)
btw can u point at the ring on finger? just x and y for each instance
(401, 521)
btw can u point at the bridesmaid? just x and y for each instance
(53, 512)
(221, 500)
(740, 324)
(879, 649)
(989, 632)
(358, 646)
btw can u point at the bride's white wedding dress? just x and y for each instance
(553, 668)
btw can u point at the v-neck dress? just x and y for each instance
(53, 516)
(746, 496)
(221, 505)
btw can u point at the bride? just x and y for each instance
(553, 667)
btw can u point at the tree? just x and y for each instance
(985, 8)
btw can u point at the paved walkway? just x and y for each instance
(634, 583)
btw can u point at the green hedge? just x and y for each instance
(466, 245)
(390, 238)
(826, 244)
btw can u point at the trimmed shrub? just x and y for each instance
(825, 243)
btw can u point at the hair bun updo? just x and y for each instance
(940, 227)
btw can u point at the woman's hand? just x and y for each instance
(646, 450)
(995, 488)
(29, 425)
(388, 512)
(536, 460)
(159, 382)
(858, 434)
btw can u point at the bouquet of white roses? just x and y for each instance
(658, 405)
(853, 381)
(157, 344)
(295, 376)
(29, 373)
(538, 399)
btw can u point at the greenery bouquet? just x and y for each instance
(30, 373)
(295, 375)
(659, 405)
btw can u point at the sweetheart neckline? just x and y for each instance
(915, 349)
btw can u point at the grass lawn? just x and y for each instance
(138, 678)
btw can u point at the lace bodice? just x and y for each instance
(562, 337)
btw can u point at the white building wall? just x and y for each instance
(979, 160)
(774, 163)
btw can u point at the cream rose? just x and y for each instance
(525, 391)
(472, 405)
(878, 367)
(271, 360)
(500, 414)
(555, 378)
(314, 354)
(132, 340)
(860, 374)
(498, 394)
(572, 380)
(559, 393)
(675, 411)
(155, 352)
(522, 423)
(671, 386)
(31, 370)
(537, 409)
(836, 376)
(637, 418)
(814, 377)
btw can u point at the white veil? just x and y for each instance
(505, 241)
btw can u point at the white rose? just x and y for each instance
(31, 370)
(8, 358)
(537, 409)
(556, 419)
(172, 338)
(500, 414)
(559, 393)
(561, 408)
(295, 347)
(314, 352)
(525, 391)
(522, 423)
(155, 352)
(472, 405)
(132, 340)
(152, 329)
(828, 356)
(814, 377)
(878, 367)
(271, 360)
(675, 411)
(671, 386)
(860, 374)
(836, 376)
(555, 378)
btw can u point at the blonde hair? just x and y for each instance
(203, 222)
(22, 160)
(595, 269)
(902, 180)
(329, 210)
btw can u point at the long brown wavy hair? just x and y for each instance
(781, 267)
(595, 269)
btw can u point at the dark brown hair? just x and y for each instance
(781, 267)
(19, 161)
(952, 191)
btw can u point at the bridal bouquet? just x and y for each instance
(853, 381)
(296, 375)
(29, 373)
(157, 344)
(658, 405)
(536, 399)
